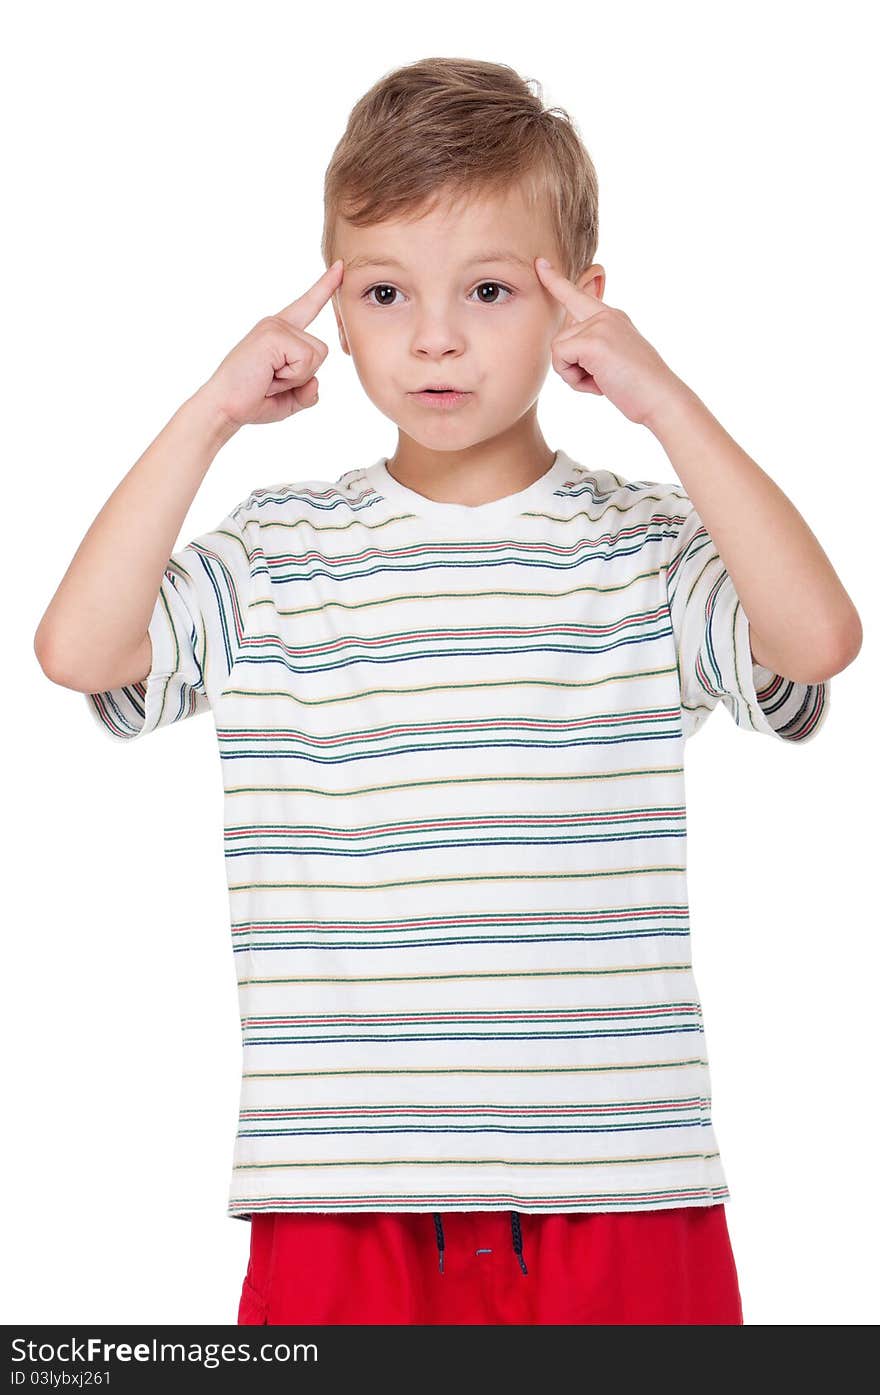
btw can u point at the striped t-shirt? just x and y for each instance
(452, 745)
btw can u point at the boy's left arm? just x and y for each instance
(803, 624)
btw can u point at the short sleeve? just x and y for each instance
(197, 629)
(713, 645)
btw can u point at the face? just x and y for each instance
(433, 308)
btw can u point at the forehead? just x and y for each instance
(476, 227)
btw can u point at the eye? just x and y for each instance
(495, 286)
(383, 286)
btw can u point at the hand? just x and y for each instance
(270, 374)
(600, 350)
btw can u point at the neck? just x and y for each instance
(475, 474)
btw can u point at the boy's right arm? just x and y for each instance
(94, 635)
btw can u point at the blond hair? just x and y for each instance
(455, 128)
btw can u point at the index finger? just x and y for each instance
(580, 304)
(302, 311)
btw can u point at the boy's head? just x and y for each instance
(443, 162)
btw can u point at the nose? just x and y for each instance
(437, 333)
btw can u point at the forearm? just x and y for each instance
(804, 624)
(101, 611)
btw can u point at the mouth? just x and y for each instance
(441, 396)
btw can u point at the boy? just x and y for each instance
(451, 693)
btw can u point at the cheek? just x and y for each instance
(373, 337)
(364, 340)
(544, 325)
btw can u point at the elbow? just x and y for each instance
(58, 666)
(52, 667)
(824, 661)
(842, 653)
(45, 656)
(855, 638)
(850, 642)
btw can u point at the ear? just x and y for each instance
(592, 280)
(340, 327)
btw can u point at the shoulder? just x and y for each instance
(308, 500)
(628, 502)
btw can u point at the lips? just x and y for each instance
(441, 399)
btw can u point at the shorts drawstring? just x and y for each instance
(441, 1243)
(517, 1240)
(516, 1229)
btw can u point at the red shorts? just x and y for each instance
(673, 1265)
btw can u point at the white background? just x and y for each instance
(163, 173)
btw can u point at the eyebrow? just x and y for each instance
(503, 256)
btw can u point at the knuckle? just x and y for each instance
(279, 326)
